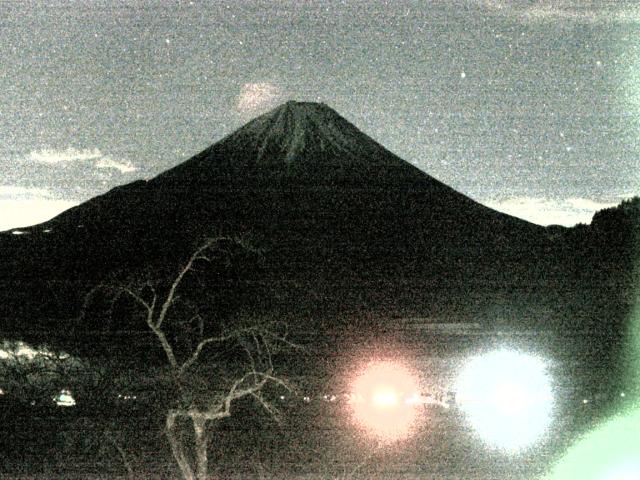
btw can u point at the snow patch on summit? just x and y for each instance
(305, 129)
(298, 144)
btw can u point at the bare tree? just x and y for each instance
(200, 396)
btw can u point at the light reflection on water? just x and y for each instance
(438, 371)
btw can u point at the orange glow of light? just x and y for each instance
(385, 398)
(382, 411)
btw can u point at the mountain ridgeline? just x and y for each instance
(348, 233)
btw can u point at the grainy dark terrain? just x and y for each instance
(349, 245)
(314, 441)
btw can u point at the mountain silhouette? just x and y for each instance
(347, 229)
(350, 242)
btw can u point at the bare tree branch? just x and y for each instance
(137, 298)
(123, 455)
(259, 342)
(197, 255)
(166, 346)
(249, 356)
(270, 408)
(193, 358)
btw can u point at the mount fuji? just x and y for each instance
(347, 230)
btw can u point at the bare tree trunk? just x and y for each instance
(177, 449)
(123, 456)
(202, 461)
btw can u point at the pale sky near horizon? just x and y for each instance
(530, 107)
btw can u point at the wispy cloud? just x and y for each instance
(110, 163)
(257, 96)
(64, 156)
(567, 212)
(23, 206)
(43, 183)
(85, 156)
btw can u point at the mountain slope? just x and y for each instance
(306, 142)
(345, 225)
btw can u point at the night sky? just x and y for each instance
(531, 107)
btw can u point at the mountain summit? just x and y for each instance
(305, 141)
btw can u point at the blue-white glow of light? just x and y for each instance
(507, 397)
